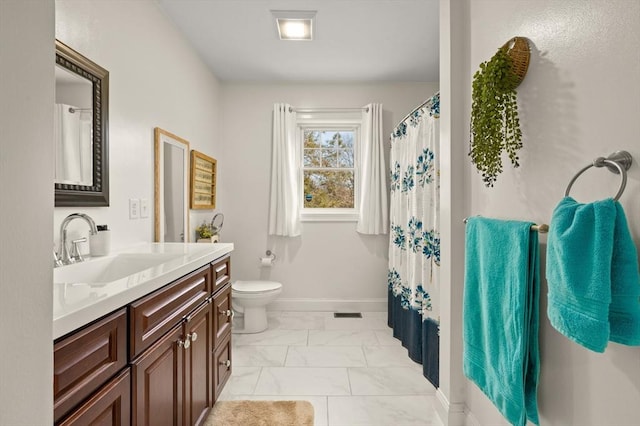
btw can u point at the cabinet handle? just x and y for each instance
(226, 363)
(193, 336)
(227, 312)
(184, 344)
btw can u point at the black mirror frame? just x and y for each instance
(96, 195)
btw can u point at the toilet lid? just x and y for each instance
(255, 286)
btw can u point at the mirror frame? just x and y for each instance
(160, 138)
(96, 195)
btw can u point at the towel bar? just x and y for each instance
(543, 229)
(618, 162)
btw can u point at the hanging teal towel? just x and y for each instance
(501, 318)
(592, 274)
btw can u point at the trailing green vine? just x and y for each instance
(494, 116)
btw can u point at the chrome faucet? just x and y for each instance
(64, 255)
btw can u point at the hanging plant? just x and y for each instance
(495, 126)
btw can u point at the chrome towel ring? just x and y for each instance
(618, 162)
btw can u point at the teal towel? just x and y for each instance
(592, 274)
(501, 316)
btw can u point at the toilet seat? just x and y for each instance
(249, 287)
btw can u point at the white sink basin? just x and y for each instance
(111, 268)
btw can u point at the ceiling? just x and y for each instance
(354, 40)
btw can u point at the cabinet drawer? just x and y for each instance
(221, 315)
(111, 405)
(86, 359)
(155, 314)
(221, 366)
(221, 272)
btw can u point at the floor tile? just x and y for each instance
(319, 403)
(407, 410)
(385, 338)
(342, 337)
(301, 321)
(388, 356)
(243, 380)
(259, 356)
(389, 381)
(325, 356)
(364, 323)
(273, 338)
(302, 381)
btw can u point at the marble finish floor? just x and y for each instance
(352, 370)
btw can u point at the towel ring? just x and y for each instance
(618, 162)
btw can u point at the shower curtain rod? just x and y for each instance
(328, 109)
(415, 109)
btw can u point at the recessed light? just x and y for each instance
(294, 24)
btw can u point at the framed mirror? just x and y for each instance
(171, 175)
(81, 136)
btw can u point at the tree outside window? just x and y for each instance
(328, 168)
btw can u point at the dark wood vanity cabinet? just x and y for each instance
(179, 356)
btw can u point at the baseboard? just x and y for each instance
(449, 414)
(329, 305)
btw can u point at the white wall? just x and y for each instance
(580, 100)
(156, 80)
(330, 260)
(26, 200)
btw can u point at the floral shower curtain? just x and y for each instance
(414, 246)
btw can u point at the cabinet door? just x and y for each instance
(157, 388)
(221, 315)
(221, 366)
(86, 359)
(198, 379)
(110, 406)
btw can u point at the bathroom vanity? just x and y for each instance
(143, 337)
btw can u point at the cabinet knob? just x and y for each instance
(193, 336)
(227, 312)
(184, 343)
(226, 363)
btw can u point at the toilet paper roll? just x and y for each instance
(266, 261)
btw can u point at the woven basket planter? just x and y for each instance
(519, 52)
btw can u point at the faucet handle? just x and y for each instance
(75, 252)
(56, 260)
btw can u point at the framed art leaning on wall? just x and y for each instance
(203, 181)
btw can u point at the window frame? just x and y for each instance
(341, 122)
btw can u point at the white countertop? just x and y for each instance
(76, 304)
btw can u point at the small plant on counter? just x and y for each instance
(495, 126)
(204, 231)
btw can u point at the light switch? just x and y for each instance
(134, 208)
(144, 208)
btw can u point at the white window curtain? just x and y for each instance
(373, 217)
(284, 204)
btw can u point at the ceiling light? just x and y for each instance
(295, 24)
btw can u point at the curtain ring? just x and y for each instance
(600, 162)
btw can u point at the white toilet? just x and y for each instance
(251, 299)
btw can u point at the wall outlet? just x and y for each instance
(144, 208)
(134, 208)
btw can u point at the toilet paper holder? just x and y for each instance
(269, 260)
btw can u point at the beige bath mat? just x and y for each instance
(261, 413)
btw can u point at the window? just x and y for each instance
(329, 169)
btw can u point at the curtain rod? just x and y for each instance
(328, 109)
(72, 109)
(416, 108)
